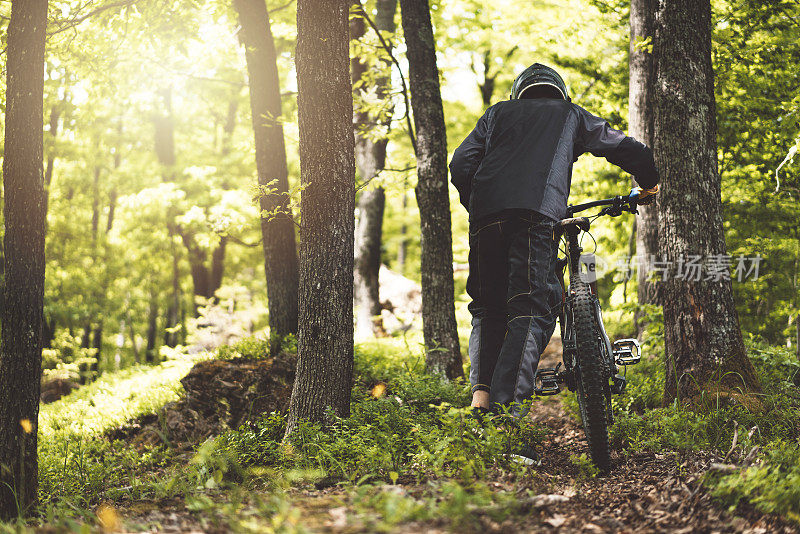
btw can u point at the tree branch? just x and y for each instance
(75, 21)
(284, 6)
(388, 49)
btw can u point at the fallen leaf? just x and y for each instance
(108, 518)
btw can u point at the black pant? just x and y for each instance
(516, 297)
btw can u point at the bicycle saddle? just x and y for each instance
(578, 222)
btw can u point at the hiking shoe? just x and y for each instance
(525, 454)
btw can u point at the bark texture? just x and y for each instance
(704, 348)
(438, 307)
(277, 225)
(24, 212)
(370, 160)
(640, 120)
(327, 172)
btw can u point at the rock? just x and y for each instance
(401, 299)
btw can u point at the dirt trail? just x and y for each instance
(643, 493)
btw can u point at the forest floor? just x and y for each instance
(645, 492)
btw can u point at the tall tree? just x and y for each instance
(164, 124)
(24, 210)
(277, 225)
(704, 347)
(327, 173)
(640, 125)
(370, 160)
(438, 307)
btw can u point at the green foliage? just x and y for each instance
(78, 467)
(420, 429)
(586, 468)
(251, 348)
(385, 507)
(771, 481)
(67, 359)
(385, 359)
(772, 486)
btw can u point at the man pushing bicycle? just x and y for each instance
(513, 174)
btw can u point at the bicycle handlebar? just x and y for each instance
(613, 206)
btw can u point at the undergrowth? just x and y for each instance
(405, 427)
(767, 448)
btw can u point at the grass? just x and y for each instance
(78, 466)
(405, 428)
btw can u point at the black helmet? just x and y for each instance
(538, 75)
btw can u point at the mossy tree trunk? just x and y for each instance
(24, 214)
(327, 173)
(704, 347)
(438, 306)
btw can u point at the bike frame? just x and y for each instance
(571, 264)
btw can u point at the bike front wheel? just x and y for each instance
(591, 379)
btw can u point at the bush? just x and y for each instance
(66, 359)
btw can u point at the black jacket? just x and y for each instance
(520, 156)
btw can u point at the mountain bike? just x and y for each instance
(590, 359)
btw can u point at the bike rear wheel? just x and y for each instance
(591, 379)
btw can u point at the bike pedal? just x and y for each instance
(626, 352)
(549, 378)
(618, 387)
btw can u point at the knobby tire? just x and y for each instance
(590, 376)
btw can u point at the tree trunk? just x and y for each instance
(99, 295)
(217, 266)
(370, 160)
(368, 239)
(277, 224)
(402, 249)
(112, 206)
(165, 151)
(171, 326)
(704, 348)
(48, 332)
(152, 331)
(22, 314)
(95, 209)
(97, 344)
(438, 307)
(134, 347)
(640, 125)
(327, 172)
